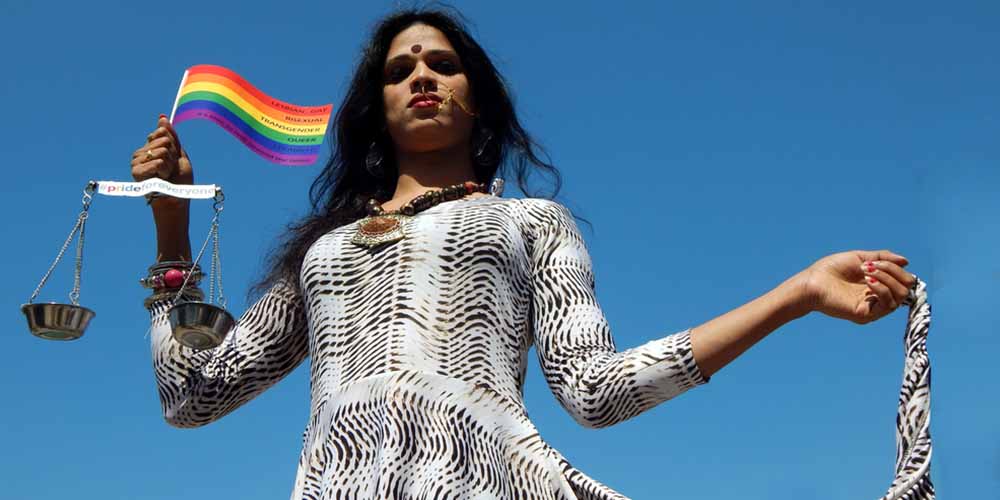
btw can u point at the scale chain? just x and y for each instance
(213, 234)
(74, 296)
(216, 269)
(58, 258)
(196, 261)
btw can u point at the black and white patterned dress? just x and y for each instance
(418, 356)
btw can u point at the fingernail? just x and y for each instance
(162, 115)
(872, 280)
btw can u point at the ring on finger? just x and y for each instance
(149, 154)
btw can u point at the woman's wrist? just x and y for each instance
(169, 206)
(796, 295)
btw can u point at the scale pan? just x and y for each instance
(200, 325)
(57, 321)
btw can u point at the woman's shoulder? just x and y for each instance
(539, 217)
(541, 212)
(543, 207)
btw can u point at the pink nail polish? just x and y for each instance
(872, 280)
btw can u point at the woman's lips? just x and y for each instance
(427, 103)
(424, 101)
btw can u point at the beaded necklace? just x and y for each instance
(381, 226)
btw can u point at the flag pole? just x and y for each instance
(174, 110)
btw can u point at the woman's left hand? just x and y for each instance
(860, 285)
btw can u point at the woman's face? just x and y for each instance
(420, 70)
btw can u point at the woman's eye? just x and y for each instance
(397, 74)
(446, 67)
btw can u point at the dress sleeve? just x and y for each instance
(597, 385)
(197, 387)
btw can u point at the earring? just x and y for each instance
(373, 161)
(485, 152)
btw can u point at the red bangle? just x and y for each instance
(171, 278)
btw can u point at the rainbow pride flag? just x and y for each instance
(280, 132)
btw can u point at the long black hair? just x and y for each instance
(340, 192)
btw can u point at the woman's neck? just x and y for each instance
(421, 172)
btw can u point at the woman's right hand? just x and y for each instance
(162, 156)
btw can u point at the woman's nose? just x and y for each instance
(423, 81)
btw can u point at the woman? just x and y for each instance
(419, 345)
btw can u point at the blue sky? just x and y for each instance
(717, 147)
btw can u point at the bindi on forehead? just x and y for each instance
(416, 48)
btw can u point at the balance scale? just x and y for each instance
(195, 324)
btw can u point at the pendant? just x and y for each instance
(379, 229)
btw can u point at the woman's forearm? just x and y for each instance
(721, 340)
(171, 217)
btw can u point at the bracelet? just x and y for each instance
(171, 274)
(190, 294)
(167, 264)
(171, 278)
